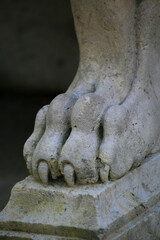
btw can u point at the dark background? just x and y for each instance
(38, 60)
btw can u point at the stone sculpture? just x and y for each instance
(105, 125)
(108, 121)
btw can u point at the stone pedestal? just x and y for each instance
(128, 208)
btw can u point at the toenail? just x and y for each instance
(104, 173)
(43, 171)
(69, 175)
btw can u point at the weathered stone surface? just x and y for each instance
(128, 208)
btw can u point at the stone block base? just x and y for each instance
(128, 208)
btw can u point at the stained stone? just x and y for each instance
(128, 208)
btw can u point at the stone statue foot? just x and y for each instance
(111, 125)
(85, 141)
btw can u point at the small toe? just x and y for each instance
(69, 175)
(43, 172)
(104, 173)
